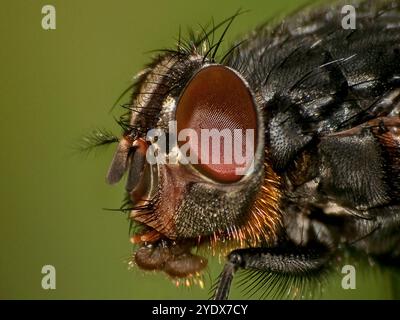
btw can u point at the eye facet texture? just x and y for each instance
(217, 98)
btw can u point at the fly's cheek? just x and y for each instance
(218, 111)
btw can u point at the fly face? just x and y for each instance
(190, 122)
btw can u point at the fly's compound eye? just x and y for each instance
(218, 106)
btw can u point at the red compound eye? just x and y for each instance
(217, 98)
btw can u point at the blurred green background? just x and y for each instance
(56, 86)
